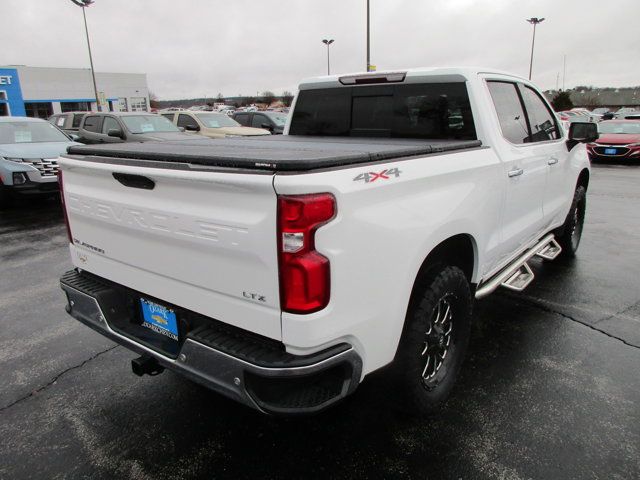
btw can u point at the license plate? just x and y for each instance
(159, 318)
(610, 151)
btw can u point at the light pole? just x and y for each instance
(327, 43)
(533, 21)
(368, 41)
(83, 4)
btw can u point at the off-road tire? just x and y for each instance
(419, 395)
(571, 232)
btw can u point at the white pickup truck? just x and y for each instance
(281, 271)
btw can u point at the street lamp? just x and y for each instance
(83, 4)
(327, 43)
(368, 40)
(533, 21)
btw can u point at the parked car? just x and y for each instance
(272, 121)
(29, 151)
(212, 124)
(282, 271)
(617, 140)
(68, 122)
(118, 127)
(624, 111)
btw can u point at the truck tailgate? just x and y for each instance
(204, 241)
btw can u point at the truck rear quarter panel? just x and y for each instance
(383, 231)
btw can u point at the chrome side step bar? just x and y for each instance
(518, 275)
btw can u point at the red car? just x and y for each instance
(619, 140)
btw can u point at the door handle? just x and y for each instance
(515, 173)
(552, 161)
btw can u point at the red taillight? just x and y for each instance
(64, 207)
(304, 273)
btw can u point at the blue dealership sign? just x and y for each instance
(10, 85)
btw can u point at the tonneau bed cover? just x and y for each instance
(274, 153)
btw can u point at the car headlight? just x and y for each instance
(634, 144)
(17, 160)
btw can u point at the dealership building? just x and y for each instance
(41, 92)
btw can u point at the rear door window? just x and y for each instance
(93, 123)
(513, 122)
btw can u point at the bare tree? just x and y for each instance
(268, 97)
(220, 98)
(153, 100)
(287, 98)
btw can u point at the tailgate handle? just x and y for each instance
(134, 181)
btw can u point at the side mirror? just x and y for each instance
(192, 128)
(582, 132)
(266, 126)
(115, 132)
(73, 137)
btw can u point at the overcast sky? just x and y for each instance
(193, 48)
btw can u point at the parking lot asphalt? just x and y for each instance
(550, 388)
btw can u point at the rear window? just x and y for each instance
(429, 110)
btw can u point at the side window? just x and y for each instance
(93, 123)
(259, 120)
(186, 121)
(110, 123)
(510, 113)
(77, 118)
(242, 119)
(542, 121)
(168, 116)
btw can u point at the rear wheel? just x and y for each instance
(571, 235)
(435, 339)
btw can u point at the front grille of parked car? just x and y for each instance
(48, 167)
(601, 150)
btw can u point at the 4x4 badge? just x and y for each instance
(373, 176)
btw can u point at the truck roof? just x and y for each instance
(271, 153)
(411, 75)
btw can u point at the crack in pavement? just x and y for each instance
(534, 302)
(56, 378)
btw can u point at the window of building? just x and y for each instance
(39, 109)
(4, 110)
(3, 95)
(138, 104)
(541, 120)
(74, 107)
(511, 116)
(122, 105)
(92, 123)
